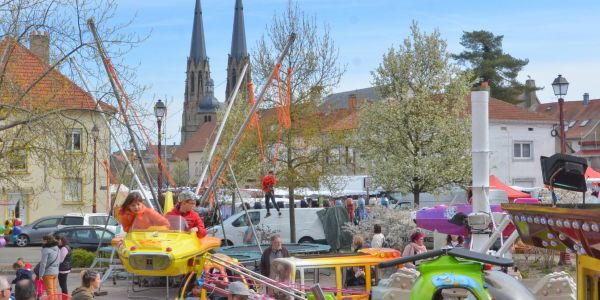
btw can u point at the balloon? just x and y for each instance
(2, 229)
(16, 230)
(17, 222)
(2, 242)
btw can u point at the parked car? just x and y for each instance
(308, 226)
(86, 237)
(32, 233)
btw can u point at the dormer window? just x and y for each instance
(584, 122)
(572, 123)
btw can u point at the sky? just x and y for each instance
(556, 37)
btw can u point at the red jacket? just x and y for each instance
(145, 218)
(192, 218)
(267, 183)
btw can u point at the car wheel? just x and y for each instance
(306, 240)
(22, 240)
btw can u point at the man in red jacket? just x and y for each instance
(185, 209)
(267, 184)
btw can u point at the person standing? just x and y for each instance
(454, 241)
(350, 209)
(4, 289)
(416, 246)
(90, 282)
(378, 238)
(65, 263)
(276, 250)
(49, 263)
(25, 290)
(185, 209)
(268, 186)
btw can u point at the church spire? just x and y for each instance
(198, 49)
(238, 39)
(239, 54)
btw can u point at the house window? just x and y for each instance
(207, 118)
(17, 159)
(572, 123)
(584, 122)
(524, 182)
(73, 138)
(523, 150)
(73, 190)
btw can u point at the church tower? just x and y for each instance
(200, 103)
(239, 53)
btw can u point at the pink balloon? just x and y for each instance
(2, 242)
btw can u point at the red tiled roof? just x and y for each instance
(197, 142)
(574, 111)
(589, 143)
(53, 91)
(503, 111)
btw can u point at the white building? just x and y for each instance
(518, 138)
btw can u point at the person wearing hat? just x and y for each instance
(186, 201)
(238, 291)
(416, 246)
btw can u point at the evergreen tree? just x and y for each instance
(489, 63)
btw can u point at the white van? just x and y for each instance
(308, 226)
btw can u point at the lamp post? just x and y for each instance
(95, 133)
(159, 112)
(560, 86)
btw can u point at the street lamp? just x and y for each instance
(560, 86)
(95, 133)
(159, 112)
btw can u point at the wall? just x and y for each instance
(503, 135)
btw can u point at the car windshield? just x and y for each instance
(159, 223)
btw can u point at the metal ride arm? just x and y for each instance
(113, 84)
(497, 233)
(456, 252)
(222, 125)
(227, 156)
(237, 189)
(508, 243)
(290, 291)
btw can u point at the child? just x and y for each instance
(22, 271)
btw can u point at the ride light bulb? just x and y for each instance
(551, 222)
(575, 225)
(132, 248)
(536, 220)
(567, 223)
(543, 220)
(529, 219)
(585, 227)
(550, 235)
(559, 223)
(169, 249)
(553, 243)
(595, 227)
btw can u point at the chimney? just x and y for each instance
(352, 102)
(531, 98)
(39, 44)
(586, 99)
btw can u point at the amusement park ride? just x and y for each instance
(442, 274)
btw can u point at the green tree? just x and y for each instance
(417, 139)
(314, 60)
(489, 63)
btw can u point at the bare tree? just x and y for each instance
(313, 59)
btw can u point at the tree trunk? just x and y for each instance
(292, 216)
(416, 195)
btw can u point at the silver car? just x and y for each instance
(33, 233)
